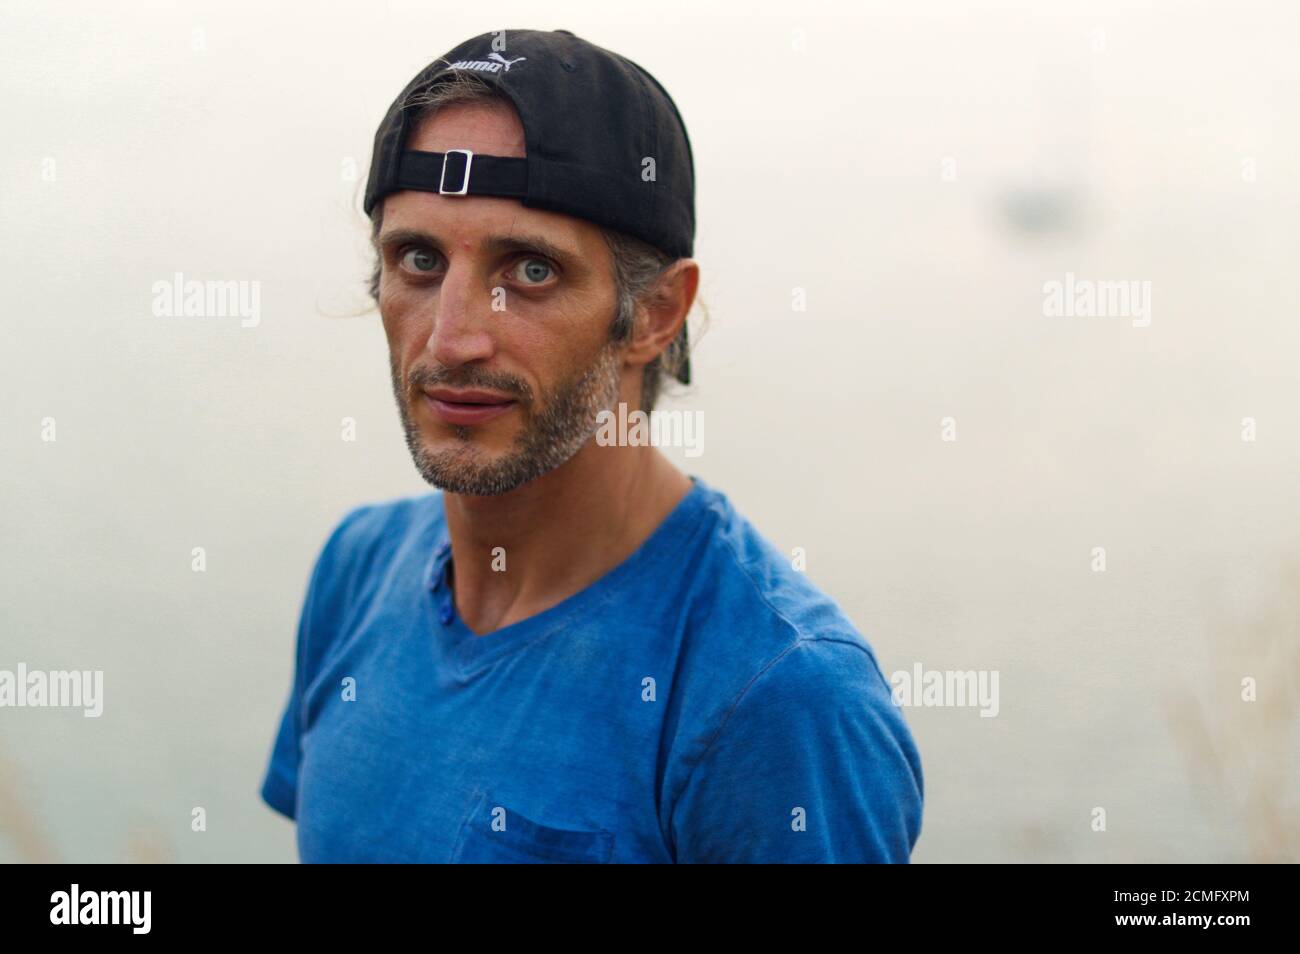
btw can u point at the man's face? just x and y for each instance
(498, 321)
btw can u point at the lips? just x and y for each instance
(467, 407)
(468, 396)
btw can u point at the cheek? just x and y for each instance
(400, 310)
(548, 347)
(560, 334)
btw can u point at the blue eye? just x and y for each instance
(536, 270)
(420, 260)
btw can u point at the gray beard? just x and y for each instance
(547, 440)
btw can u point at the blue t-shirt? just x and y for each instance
(701, 702)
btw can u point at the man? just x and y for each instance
(573, 652)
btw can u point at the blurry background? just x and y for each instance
(916, 172)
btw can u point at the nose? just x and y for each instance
(461, 332)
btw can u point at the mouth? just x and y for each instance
(468, 407)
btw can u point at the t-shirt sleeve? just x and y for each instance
(280, 784)
(813, 763)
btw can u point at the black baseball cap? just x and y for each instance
(603, 139)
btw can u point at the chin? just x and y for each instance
(483, 442)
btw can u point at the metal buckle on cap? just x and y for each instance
(464, 184)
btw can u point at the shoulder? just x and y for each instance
(788, 711)
(812, 763)
(366, 542)
(753, 617)
(377, 529)
(364, 546)
(386, 522)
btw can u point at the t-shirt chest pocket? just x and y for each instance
(495, 833)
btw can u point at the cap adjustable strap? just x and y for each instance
(462, 172)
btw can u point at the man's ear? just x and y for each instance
(663, 312)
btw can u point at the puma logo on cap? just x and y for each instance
(495, 63)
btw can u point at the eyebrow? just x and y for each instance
(500, 244)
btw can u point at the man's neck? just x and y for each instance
(558, 534)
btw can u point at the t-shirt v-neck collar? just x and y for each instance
(471, 649)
